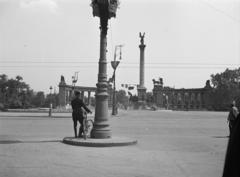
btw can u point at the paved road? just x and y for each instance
(170, 144)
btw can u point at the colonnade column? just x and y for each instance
(89, 97)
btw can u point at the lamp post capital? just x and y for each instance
(110, 7)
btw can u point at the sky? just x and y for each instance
(186, 41)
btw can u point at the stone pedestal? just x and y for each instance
(141, 94)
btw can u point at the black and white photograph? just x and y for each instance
(120, 88)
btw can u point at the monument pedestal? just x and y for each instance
(142, 97)
(142, 94)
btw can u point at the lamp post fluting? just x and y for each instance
(104, 9)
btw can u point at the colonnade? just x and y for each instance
(180, 98)
(66, 93)
(190, 99)
(69, 95)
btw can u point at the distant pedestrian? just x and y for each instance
(78, 113)
(232, 116)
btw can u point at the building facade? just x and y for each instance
(183, 99)
(66, 93)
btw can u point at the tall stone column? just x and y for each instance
(67, 96)
(191, 100)
(175, 100)
(82, 95)
(141, 87)
(182, 100)
(195, 101)
(200, 101)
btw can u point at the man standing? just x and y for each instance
(77, 114)
(232, 116)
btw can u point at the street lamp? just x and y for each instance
(24, 97)
(104, 9)
(50, 102)
(74, 81)
(115, 64)
(166, 101)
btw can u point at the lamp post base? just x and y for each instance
(101, 130)
(101, 134)
(114, 141)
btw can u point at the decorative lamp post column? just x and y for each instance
(104, 9)
(50, 102)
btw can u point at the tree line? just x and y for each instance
(15, 93)
(226, 88)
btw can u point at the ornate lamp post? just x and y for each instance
(104, 9)
(115, 64)
(50, 104)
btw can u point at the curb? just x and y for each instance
(90, 142)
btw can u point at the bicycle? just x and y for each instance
(87, 125)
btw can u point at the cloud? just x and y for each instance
(50, 5)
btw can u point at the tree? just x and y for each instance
(38, 99)
(3, 86)
(11, 91)
(3, 90)
(149, 98)
(122, 98)
(15, 93)
(51, 98)
(19, 78)
(226, 88)
(3, 78)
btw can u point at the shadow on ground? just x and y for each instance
(25, 117)
(220, 136)
(17, 141)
